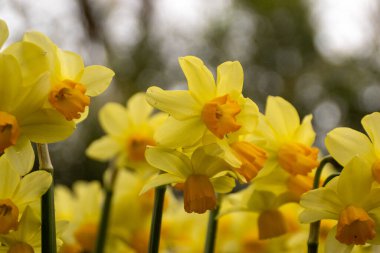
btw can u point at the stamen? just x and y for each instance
(136, 147)
(9, 131)
(219, 115)
(199, 194)
(355, 226)
(252, 158)
(8, 216)
(297, 158)
(69, 99)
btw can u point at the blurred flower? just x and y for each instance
(71, 84)
(129, 130)
(352, 201)
(16, 193)
(288, 145)
(199, 176)
(207, 112)
(345, 143)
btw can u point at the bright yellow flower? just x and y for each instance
(349, 199)
(16, 193)
(129, 130)
(287, 142)
(208, 111)
(71, 83)
(345, 143)
(200, 176)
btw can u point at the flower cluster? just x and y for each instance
(44, 92)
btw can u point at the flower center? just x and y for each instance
(8, 216)
(20, 247)
(69, 99)
(297, 158)
(355, 226)
(86, 236)
(271, 224)
(252, 158)
(376, 170)
(219, 115)
(9, 131)
(136, 147)
(199, 194)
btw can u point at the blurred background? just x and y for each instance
(322, 56)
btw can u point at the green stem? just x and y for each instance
(312, 243)
(103, 225)
(155, 229)
(212, 229)
(48, 234)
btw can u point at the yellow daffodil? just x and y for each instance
(352, 201)
(16, 193)
(208, 111)
(287, 142)
(345, 143)
(70, 83)
(129, 130)
(200, 176)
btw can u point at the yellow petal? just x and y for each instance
(170, 161)
(173, 133)
(9, 179)
(230, 78)
(114, 119)
(322, 203)
(10, 82)
(21, 156)
(282, 116)
(32, 187)
(179, 103)
(46, 126)
(138, 108)
(262, 200)
(71, 64)
(371, 124)
(104, 149)
(42, 41)
(305, 133)
(204, 163)
(160, 179)
(248, 117)
(32, 59)
(355, 181)
(223, 184)
(344, 143)
(199, 78)
(96, 78)
(4, 32)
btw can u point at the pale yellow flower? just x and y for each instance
(128, 131)
(352, 201)
(200, 176)
(208, 111)
(288, 143)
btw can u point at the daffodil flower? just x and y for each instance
(344, 143)
(287, 142)
(71, 84)
(351, 200)
(128, 131)
(200, 176)
(16, 193)
(208, 112)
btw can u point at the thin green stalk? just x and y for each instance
(103, 225)
(212, 229)
(312, 243)
(48, 234)
(155, 229)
